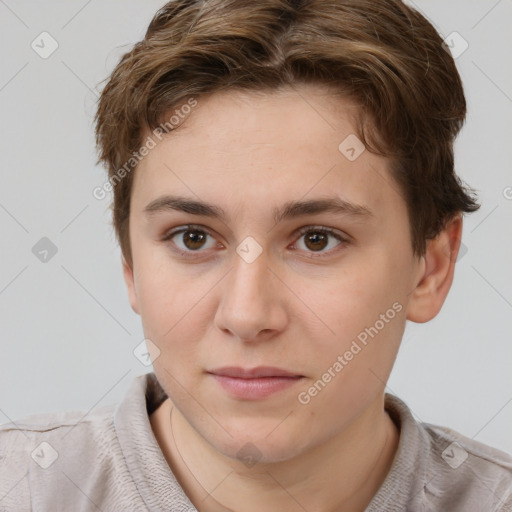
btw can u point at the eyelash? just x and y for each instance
(307, 229)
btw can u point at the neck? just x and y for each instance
(343, 473)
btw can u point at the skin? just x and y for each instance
(290, 308)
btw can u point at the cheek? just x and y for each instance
(157, 302)
(164, 290)
(363, 306)
(355, 297)
(175, 313)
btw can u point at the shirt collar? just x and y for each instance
(154, 479)
(159, 488)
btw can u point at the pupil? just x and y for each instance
(315, 238)
(194, 238)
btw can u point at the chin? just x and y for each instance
(262, 442)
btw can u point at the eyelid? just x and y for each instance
(323, 229)
(186, 227)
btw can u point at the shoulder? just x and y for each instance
(36, 448)
(436, 468)
(465, 472)
(19, 435)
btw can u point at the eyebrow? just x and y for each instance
(288, 211)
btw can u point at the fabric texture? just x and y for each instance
(110, 460)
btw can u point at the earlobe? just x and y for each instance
(130, 285)
(433, 286)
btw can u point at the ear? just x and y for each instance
(130, 286)
(441, 255)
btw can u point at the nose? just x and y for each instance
(252, 306)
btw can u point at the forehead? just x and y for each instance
(258, 150)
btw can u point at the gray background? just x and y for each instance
(67, 330)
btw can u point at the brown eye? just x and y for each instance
(317, 239)
(193, 240)
(190, 239)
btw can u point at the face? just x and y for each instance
(294, 272)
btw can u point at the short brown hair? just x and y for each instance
(382, 54)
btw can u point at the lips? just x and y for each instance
(252, 373)
(254, 383)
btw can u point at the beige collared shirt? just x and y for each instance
(109, 460)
